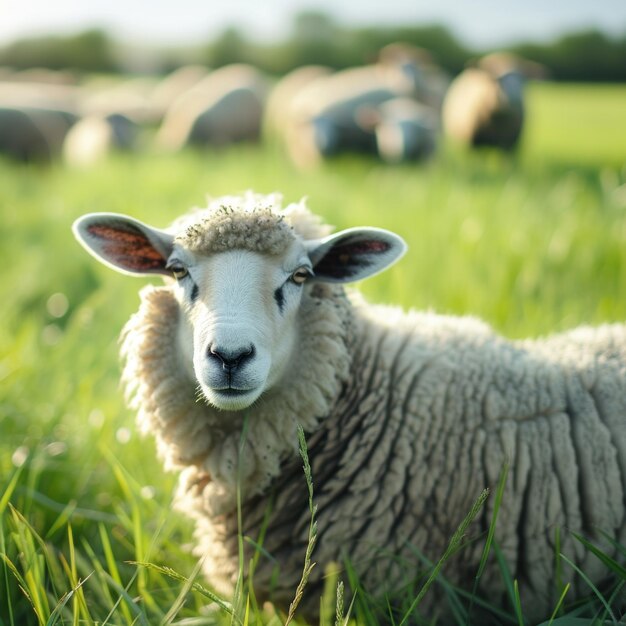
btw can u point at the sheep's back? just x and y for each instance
(435, 408)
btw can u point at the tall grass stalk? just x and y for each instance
(227, 607)
(490, 534)
(312, 535)
(454, 543)
(238, 596)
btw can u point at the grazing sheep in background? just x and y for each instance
(485, 105)
(405, 129)
(131, 98)
(224, 108)
(280, 100)
(33, 134)
(35, 118)
(408, 415)
(324, 117)
(174, 85)
(39, 96)
(95, 137)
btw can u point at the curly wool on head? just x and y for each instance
(252, 222)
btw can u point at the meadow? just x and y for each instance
(533, 243)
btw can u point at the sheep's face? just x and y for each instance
(240, 290)
(239, 322)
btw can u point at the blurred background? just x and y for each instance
(80, 80)
(490, 135)
(580, 41)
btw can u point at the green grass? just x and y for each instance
(534, 244)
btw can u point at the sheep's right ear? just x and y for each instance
(354, 254)
(124, 244)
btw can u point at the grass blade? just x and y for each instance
(558, 604)
(518, 604)
(56, 614)
(452, 546)
(8, 491)
(611, 563)
(312, 537)
(3, 555)
(180, 600)
(492, 526)
(591, 586)
(167, 571)
(112, 567)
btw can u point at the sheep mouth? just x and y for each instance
(231, 392)
(231, 398)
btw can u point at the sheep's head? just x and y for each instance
(239, 275)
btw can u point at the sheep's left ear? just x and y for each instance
(124, 244)
(354, 254)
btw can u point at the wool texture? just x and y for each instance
(408, 417)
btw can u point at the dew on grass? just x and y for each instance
(57, 304)
(96, 418)
(123, 435)
(19, 456)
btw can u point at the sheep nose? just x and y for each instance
(231, 359)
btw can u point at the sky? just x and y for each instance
(179, 22)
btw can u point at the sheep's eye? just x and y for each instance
(300, 275)
(178, 271)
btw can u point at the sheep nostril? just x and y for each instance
(231, 359)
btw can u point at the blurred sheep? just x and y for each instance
(405, 130)
(325, 117)
(175, 84)
(34, 119)
(44, 76)
(33, 134)
(223, 108)
(131, 98)
(281, 97)
(485, 104)
(94, 137)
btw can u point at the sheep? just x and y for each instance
(408, 415)
(35, 118)
(405, 130)
(131, 98)
(174, 84)
(280, 99)
(94, 137)
(484, 105)
(33, 134)
(224, 107)
(324, 117)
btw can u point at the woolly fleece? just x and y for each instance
(409, 416)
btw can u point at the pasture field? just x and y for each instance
(533, 243)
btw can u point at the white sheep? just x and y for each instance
(223, 108)
(95, 137)
(408, 415)
(324, 117)
(405, 130)
(35, 118)
(484, 105)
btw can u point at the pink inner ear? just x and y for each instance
(361, 247)
(130, 249)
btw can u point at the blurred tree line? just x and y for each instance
(316, 38)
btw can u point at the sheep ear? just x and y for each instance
(354, 254)
(124, 244)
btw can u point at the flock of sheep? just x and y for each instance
(396, 108)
